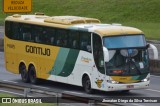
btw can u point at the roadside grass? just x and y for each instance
(16, 104)
(142, 14)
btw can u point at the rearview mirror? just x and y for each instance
(155, 51)
(106, 54)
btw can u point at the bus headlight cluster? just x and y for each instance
(113, 82)
(145, 80)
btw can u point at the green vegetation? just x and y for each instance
(15, 104)
(6, 95)
(143, 14)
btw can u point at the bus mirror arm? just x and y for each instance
(106, 54)
(155, 50)
(147, 46)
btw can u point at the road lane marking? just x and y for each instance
(65, 104)
(14, 93)
(10, 81)
(153, 90)
(74, 92)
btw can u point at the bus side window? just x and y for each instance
(37, 34)
(12, 30)
(85, 41)
(73, 39)
(8, 29)
(15, 31)
(62, 38)
(26, 36)
(26, 32)
(50, 36)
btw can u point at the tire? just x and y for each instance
(87, 85)
(24, 73)
(32, 75)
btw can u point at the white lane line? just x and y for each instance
(153, 90)
(40, 87)
(155, 76)
(14, 93)
(10, 81)
(135, 104)
(74, 92)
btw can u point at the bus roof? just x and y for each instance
(76, 23)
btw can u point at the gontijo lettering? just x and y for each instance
(38, 50)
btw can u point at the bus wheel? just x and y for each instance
(87, 85)
(23, 72)
(32, 75)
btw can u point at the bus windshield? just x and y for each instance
(115, 42)
(128, 55)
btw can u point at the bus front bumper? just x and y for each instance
(131, 86)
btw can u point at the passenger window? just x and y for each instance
(50, 36)
(8, 29)
(38, 34)
(26, 31)
(12, 30)
(85, 41)
(73, 40)
(62, 38)
(15, 30)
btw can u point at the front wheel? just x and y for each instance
(87, 85)
(32, 75)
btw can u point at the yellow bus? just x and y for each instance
(78, 51)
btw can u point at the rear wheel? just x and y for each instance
(32, 75)
(87, 85)
(24, 74)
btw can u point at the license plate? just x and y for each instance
(130, 86)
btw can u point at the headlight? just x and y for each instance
(145, 80)
(113, 82)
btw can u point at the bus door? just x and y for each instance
(98, 67)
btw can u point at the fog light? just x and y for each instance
(113, 82)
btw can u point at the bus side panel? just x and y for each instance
(83, 65)
(11, 56)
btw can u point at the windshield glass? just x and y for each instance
(131, 41)
(128, 55)
(124, 63)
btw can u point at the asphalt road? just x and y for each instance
(1, 31)
(152, 91)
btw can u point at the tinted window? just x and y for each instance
(12, 30)
(62, 38)
(73, 39)
(48, 35)
(85, 41)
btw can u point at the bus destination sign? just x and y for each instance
(17, 6)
